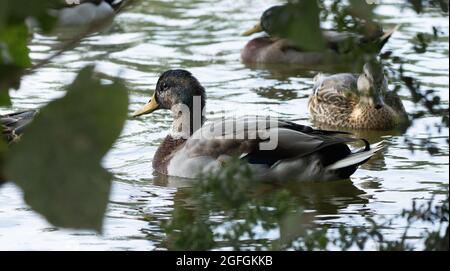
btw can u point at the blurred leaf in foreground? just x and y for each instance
(57, 161)
(14, 57)
(299, 21)
(16, 11)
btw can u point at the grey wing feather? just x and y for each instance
(292, 140)
(14, 124)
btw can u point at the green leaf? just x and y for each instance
(300, 23)
(5, 100)
(362, 9)
(14, 52)
(16, 11)
(14, 58)
(57, 161)
(9, 78)
(14, 45)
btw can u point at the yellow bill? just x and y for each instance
(256, 29)
(148, 108)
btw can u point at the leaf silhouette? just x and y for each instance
(57, 161)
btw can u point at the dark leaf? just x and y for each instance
(57, 161)
(300, 22)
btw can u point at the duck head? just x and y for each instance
(180, 92)
(372, 85)
(267, 21)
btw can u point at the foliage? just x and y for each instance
(225, 193)
(57, 163)
(300, 22)
(248, 209)
(14, 58)
(420, 5)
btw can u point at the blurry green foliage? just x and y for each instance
(231, 209)
(228, 193)
(16, 12)
(299, 21)
(14, 57)
(57, 161)
(420, 5)
(357, 17)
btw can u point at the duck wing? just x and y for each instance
(344, 42)
(261, 140)
(392, 99)
(13, 124)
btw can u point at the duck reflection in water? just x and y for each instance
(210, 213)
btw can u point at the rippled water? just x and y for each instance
(203, 37)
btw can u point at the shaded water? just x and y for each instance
(203, 37)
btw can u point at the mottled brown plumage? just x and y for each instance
(356, 101)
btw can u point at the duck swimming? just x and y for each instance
(83, 13)
(87, 12)
(301, 153)
(276, 49)
(357, 101)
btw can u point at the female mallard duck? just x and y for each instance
(275, 48)
(356, 101)
(275, 149)
(13, 124)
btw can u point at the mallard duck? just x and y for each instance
(83, 13)
(356, 101)
(13, 124)
(274, 48)
(87, 12)
(275, 149)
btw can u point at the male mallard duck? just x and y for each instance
(275, 48)
(13, 124)
(275, 149)
(357, 101)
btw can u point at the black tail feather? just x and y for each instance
(385, 37)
